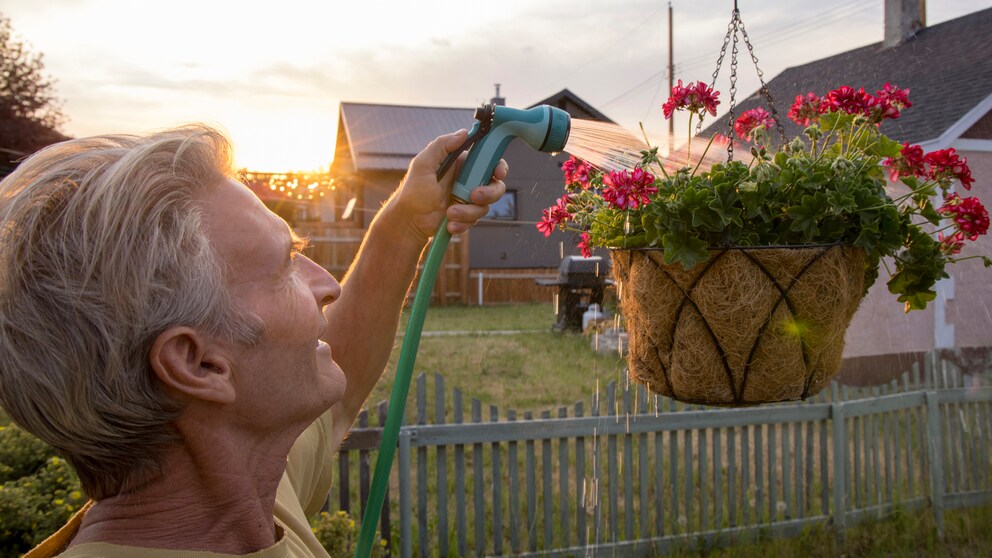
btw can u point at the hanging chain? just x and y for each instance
(737, 24)
(719, 62)
(733, 93)
(765, 92)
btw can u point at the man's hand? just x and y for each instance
(424, 200)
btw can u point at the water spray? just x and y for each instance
(543, 128)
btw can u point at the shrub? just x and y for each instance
(338, 534)
(38, 494)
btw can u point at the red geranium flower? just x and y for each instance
(752, 120)
(878, 109)
(695, 97)
(910, 163)
(576, 173)
(951, 245)
(969, 215)
(946, 165)
(555, 216)
(584, 245)
(805, 110)
(894, 95)
(628, 190)
(846, 99)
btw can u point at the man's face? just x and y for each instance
(289, 377)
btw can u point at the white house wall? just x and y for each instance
(881, 327)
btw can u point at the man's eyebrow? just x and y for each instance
(297, 242)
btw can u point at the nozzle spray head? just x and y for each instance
(543, 128)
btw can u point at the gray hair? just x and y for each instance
(102, 248)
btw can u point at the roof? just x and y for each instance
(563, 97)
(377, 137)
(947, 68)
(386, 137)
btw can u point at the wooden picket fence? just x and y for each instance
(635, 475)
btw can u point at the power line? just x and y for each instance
(662, 74)
(780, 37)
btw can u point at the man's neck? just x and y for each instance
(214, 495)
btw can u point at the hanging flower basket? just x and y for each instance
(715, 310)
(748, 326)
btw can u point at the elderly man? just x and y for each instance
(162, 329)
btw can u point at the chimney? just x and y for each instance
(903, 19)
(497, 100)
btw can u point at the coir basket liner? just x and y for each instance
(747, 326)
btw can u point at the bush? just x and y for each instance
(338, 534)
(38, 494)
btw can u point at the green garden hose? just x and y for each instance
(544, 128)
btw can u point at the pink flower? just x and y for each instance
(945, 165)
(969, 215)
(910, 163)
(805, 110)
(752, 120)
(846, 99)
(894, 95)
(628, 190)
(576, 173)
(555, 216)
(951, 245)
(695, 97)
(584, 245)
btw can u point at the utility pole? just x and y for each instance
(671, 78)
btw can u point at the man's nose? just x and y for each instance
(326, 288)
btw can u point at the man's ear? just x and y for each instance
(192, 365)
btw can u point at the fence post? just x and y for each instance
(406, 511)
(935, 442)
(840, 466)
(385, 527)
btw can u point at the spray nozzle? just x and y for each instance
(543, 128)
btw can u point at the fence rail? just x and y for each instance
(637, 474)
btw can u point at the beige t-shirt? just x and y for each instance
(301, 493)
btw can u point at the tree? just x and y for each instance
(30, 115)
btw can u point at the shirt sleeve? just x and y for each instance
(311, 464)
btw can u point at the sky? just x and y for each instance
(272, 74)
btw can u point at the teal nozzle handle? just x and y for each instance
(544, 128)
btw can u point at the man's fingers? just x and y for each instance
(488, 194)
(431, 157)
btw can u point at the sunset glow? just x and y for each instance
(273, 75)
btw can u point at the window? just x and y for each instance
(505, 209)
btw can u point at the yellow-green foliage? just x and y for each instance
(338, 533)
(39, 491)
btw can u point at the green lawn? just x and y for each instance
(531, 371)
(910, 535)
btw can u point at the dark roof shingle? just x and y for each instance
(947, 68)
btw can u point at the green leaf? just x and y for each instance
(885, 147)
(806, 216)
(684, 248)
(841, 202)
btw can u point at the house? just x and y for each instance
(375, 143)
(949, 74)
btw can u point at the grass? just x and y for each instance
(902, 534)
(534, 370)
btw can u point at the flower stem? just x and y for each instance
(703, 156)
(688, 143)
